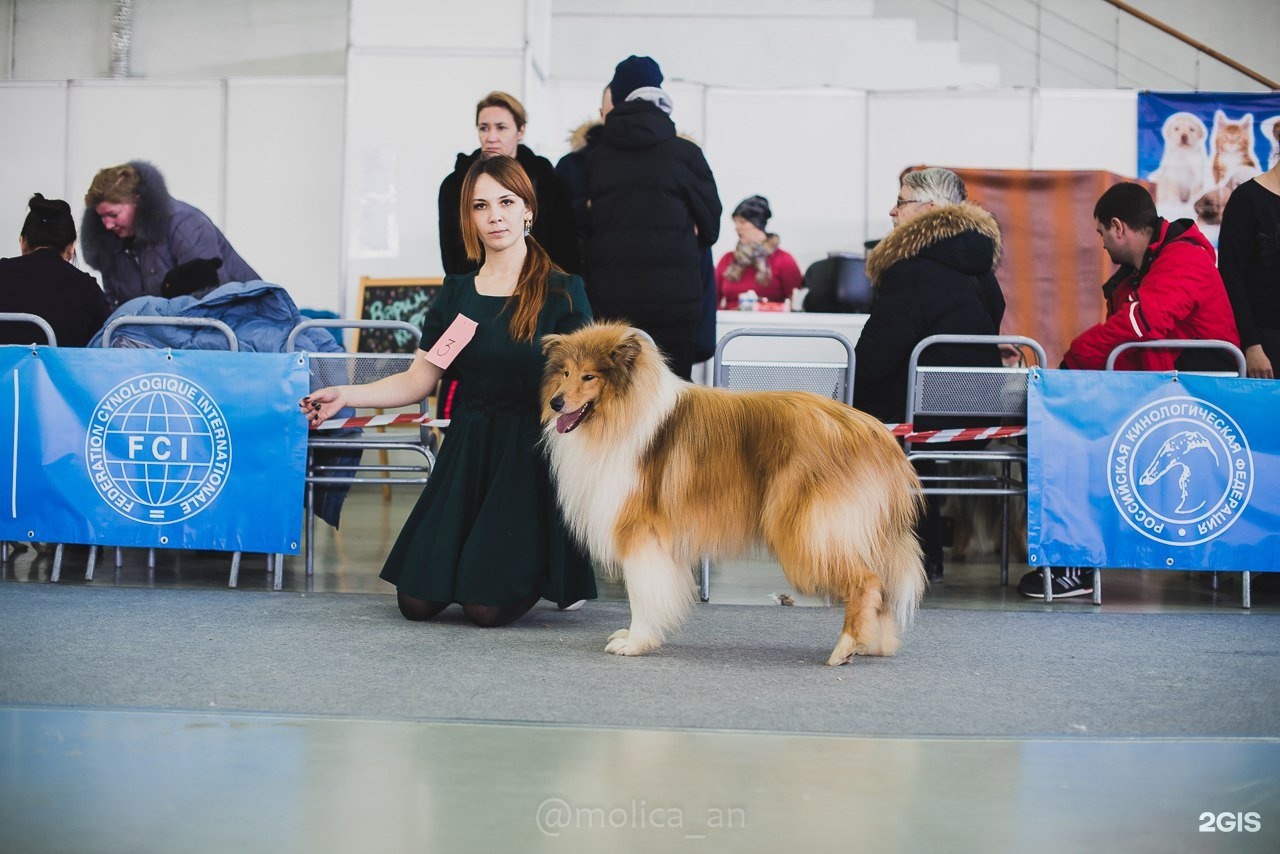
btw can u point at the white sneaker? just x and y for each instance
(575, 606)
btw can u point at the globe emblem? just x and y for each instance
(158, 448)
(1180, 471)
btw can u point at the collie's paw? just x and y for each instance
(845, 648)
(622, 642)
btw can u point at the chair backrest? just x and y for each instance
(34, 320)
(1202, 344)
(108, 331)
(347, 368)
(998, 393)
(838, 283)
(833, 379)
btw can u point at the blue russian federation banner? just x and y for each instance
(1153, 471)
(181, 449)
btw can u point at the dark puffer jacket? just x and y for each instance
(554, 227)
(654, 206)
(167, 233)
(933, 276)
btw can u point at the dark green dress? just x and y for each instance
(487, 529)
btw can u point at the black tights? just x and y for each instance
(485, 616)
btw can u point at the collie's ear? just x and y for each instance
(629, 347)
(549, 342)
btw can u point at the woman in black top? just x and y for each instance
(1249, 260)
(42, 281)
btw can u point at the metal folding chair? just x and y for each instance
(997, 396)
(1242, 370)
(355, 369)
(825, 376)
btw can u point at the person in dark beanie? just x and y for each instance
(42, 281)
(654, 212)
(757, 264)
(134, 232)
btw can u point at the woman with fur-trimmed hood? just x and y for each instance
(134, 232)
(933, 274)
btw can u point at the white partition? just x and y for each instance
(400, 147)
(284, 182)
(981, 130)
(33, 137)
(803, 150)
(1086, 129)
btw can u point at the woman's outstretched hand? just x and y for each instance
(321, 405)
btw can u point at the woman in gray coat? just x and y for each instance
(134, 232)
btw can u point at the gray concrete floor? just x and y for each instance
(140, 780)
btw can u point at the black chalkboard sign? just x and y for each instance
(393, 299)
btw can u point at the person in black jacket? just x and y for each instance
(933, 274)
(42, 281)
(654, 213)
(500, 124)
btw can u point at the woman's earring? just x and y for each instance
(528, 226)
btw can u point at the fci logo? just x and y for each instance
(1180, 471)
(158, 448)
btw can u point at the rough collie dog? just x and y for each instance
(653, 472)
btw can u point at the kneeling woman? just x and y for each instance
(486, 532)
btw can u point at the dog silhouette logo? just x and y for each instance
(158, 449)
(1180, 471)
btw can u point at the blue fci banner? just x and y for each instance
(173, 449)
(1153, 471)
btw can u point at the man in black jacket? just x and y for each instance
(654, 210)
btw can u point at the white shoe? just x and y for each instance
(575, 606)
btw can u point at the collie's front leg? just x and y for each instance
(660, 593)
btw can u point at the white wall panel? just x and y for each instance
(983, 130)
(805, 152)
(400, 146)
(1085, 129)
(35, 154)
(284, 190)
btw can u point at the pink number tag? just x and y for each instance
(457, 336)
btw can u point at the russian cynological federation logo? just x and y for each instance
(1181, 471)
(158, 448)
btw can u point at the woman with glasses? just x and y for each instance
(933, 274)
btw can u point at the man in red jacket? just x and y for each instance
(1167, 287)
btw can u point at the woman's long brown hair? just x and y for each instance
(531, 287)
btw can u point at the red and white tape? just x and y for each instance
(382, 421)
(902, 431)
(907, 433)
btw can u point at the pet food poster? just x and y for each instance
(1196, 147)
(1148, 470)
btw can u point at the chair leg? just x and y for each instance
(278, 581)
(1097, 586)
(235, 571)
(1246, 595)
(1046, 573)
(93, 558)
(704, 588)
(1004, 543)
(310, 516)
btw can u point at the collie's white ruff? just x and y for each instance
(653, 473)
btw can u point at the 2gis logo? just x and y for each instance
(1229, 822)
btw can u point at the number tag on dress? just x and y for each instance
(457, 336)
